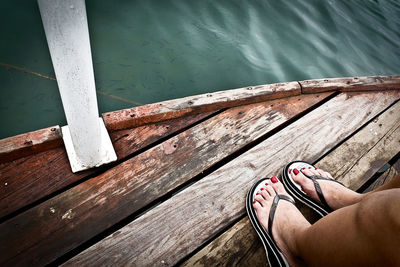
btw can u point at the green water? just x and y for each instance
(149, 51)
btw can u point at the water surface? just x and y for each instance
(149, 51)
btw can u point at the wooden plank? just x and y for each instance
(31, 178)
(179, 225)
(240, 242)
(351, 84)
(360, 157)
(29, 143)
(385, 177)
(239, 246)
(54, 227)
(41, 140)
(166, 110)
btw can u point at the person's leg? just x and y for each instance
(394, 183)
(288, 220)
(336, 195)
(366, 233)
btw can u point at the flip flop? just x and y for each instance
(294, 189)
(274, 254)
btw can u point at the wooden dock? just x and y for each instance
(176, 195)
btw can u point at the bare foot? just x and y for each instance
(288, 222)
(335, 194)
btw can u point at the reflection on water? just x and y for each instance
(148, 51)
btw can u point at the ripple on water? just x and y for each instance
(158, 50)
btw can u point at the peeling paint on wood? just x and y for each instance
(138, 181)
(240, 243)
(196, 214)
(29, 143)
(36, 176)
(166, 110)
(367, 83)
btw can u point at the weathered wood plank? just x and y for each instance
(385, 177)
(28, 179)
(34, 142)
(240, 243)
(360, 157)
(238, 246)
(351, 84)
(29, 143)
(173, 229)
(56, 226)
(151, 113)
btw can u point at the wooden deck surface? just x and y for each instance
(176, 194)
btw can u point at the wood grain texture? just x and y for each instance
(49, 230)
(360, 157)
(385, 177)
(31, 178)
(176, 227)
(44, 139)
(349, 84)
(133, 117)
(240, 245)
(29, 143)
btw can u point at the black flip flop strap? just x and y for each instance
(314, 178)
(273, 209)
(319, 191)
(318, 177)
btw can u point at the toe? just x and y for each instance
(259, 199)
(323, 173)
(270, 190)
(313, 171)
(328, 175)
(298, 177)
(309, 172)
(265, 194)
(278, 187)
(257, 206)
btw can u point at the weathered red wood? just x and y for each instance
(240, 243)
(151, 113)
(28, 179)
(56, 226)
(348, 84)
(179, 225)
(29, 143)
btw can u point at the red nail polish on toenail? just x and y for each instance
(254, 202)
(295, 171)
(266, 183)
(274, 179)
(303, 168)
(290, 170)
(262, 189)
(257, 194)
(316, 168)
(309, 167)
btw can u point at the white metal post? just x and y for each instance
(86, 138)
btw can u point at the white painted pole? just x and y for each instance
(67, 33)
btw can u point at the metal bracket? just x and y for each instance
(106, 153)
(86, 138)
